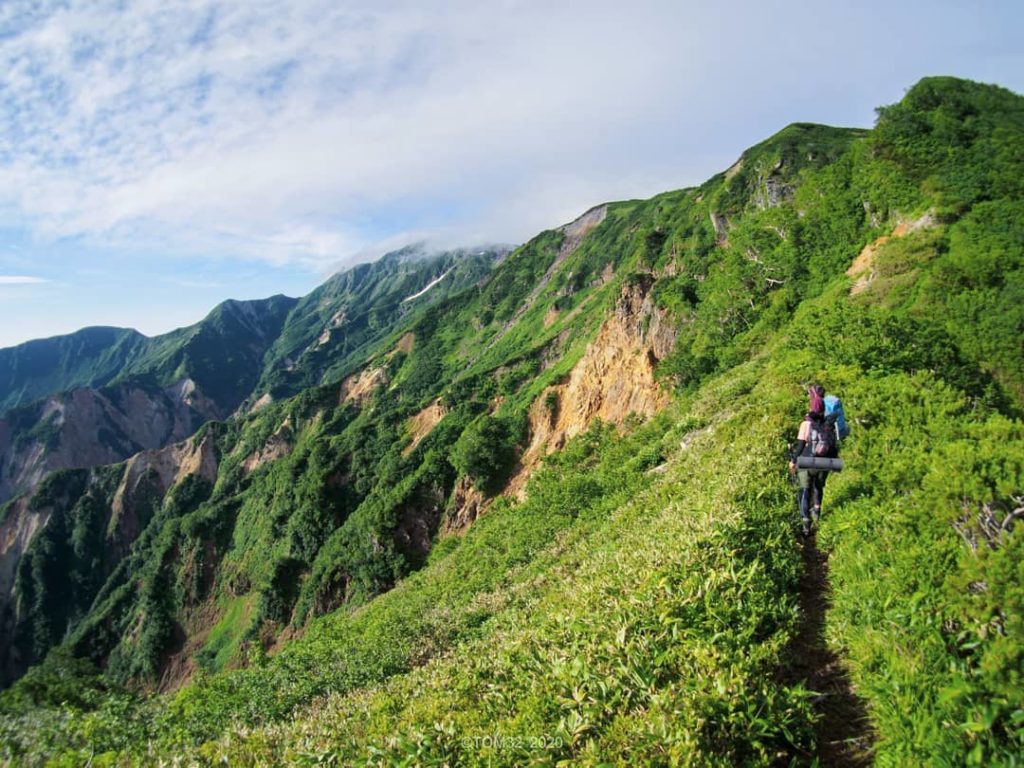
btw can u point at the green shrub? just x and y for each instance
(485, 451)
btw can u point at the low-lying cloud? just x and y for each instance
(21, 280)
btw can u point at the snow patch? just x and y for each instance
(429, 285)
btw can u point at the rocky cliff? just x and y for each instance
(612, 381)
(87, 428)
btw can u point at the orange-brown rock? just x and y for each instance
(466, 505)
(406, 343)
(90, 427)
(278, 445)
(863, 267)
(613, 379)
(359, 386)
(167, 467)
(420, 425)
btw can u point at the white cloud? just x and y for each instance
(309, 130)
(21, 280)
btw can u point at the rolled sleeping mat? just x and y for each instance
(819, 463)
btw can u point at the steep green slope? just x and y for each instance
(160, 390)
(658, 634)
(86, 428)
(640, 604)
(328, 329)
(272, 340)
(223, 353)
(95, 357)
(90, 357)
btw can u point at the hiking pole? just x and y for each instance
(794, 484)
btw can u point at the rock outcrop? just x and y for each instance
(721, 227)
(16, 531)
(90, 427)
(613, 379)
(278, 445)
(420, 425)
(770, 189)
(863, 267)
(145, 480)
(359, 386)
(467, 503)
(154, 473)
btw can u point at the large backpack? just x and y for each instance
(824, 440)
(833, 406)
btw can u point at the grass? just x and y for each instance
(223, 641)
(650, 628)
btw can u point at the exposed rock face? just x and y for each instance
(613, 379)
(16, 531)
(89, 427)
(359, 386)
(721, 225)
(417, 524)
(261, 402)
(466, 505)
(771, 191)
(863, 267)
(422, 423)
(576, 230)
(145, 480)
(156, 472)
(278, 445)
(406, 343)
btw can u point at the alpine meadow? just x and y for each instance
(529, 506)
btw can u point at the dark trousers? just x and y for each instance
(812, 491)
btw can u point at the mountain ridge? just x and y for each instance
(451, 541)
(200, 372)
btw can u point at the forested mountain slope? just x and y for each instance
(110, 393)
(95, 357)
(550, 520)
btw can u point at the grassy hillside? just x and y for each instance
(327, 602)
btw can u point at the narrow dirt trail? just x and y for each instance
(844, 734)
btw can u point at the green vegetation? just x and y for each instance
(245, 348)
(640, 603)
(238, 353)
(485, 452)
(90, 357)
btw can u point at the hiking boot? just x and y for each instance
(806, 528)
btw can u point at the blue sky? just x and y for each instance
(157, 157)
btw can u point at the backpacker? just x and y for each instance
(824, 440)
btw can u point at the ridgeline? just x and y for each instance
(545, 517)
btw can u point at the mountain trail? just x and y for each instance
(843, 731)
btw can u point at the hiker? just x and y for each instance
(818, 436)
